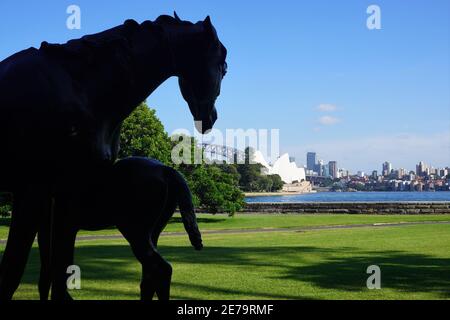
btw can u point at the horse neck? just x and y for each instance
(160, 59)
(150, 68)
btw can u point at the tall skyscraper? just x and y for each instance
(332, 167)
(320, 168)
(421, 169)
(387, 168)
(311, 160)
(326, 171)
(375, 175)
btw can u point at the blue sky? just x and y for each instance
(389, 88)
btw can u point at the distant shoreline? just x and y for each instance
(274, 194)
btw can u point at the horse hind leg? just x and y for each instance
(156, 278)
(162, 221)
(163, 288)
(156, 272)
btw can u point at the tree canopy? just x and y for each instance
(214, 187)
(143, 135)
(252, 178)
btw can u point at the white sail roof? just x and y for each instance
(287, 170)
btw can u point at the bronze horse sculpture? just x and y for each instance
(138, 196)
(61, 108)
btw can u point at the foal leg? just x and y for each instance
(156, 277)
(156, 272)
(27, 209)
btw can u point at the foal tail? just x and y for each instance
(187, 210)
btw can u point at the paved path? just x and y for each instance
(261, 230)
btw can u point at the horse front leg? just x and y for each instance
(28, 207)
(44, 241)
(62, 250)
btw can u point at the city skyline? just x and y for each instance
(385, 168)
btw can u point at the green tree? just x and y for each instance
(5, 204)
(277, 183)
(143, 135)
(252, 178)
(216, 190)
(213, 187)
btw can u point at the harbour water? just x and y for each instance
(356, 197)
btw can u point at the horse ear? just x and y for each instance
(210, 31)
(176, 16)
(207, 23)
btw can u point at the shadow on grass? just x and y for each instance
(341, 269)
(399, 270)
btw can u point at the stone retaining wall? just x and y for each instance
(350, 208)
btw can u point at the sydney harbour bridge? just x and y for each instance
(221, 153)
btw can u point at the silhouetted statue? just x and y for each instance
(138, 196)
(61, 107)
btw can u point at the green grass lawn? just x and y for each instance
(256, 221)
(322, 264)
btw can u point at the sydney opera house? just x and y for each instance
(287, 170)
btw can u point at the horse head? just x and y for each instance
(201, 65)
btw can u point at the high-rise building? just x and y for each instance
(333, 170)
(343, 173)
(375, 175)
(421, 169)
(311, 160)
(387, 168)
(320, 168)
(326, 170)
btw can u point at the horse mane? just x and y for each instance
(169, 20)
(114, 43)
(92, 47)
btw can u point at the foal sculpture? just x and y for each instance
(138, 196)
(61, 107)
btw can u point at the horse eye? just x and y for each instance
(224, 69)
